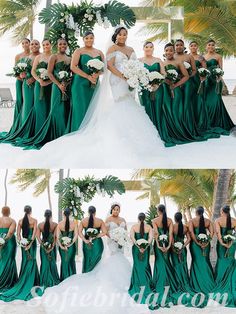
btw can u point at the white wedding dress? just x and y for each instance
(102, 291)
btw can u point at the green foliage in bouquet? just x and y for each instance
(71, 21)
(76, 191)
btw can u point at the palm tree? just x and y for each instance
(48, 4)
(18, 17)
(39, 178)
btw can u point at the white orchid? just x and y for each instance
(63, 74)
(95, 64)
(120, 236)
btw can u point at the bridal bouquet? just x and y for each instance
(163, 240)
(178, 247)
(2, 242)
(228, 239)
(64, 77)
(188, 68)
(22, 69)
(203, 73)
(172, 76)
(142, 244)
(136, 75)
(95, 66)
(203, 239)
(216, 74)
(23, 243)
(91, 233)
(120, 236)
(155, 80)
(42, 73)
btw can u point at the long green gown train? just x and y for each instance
(225, 271)
(217, 113)
(68, 267)
(55, 124)
(49, 276)
(201, 272)
(92, 254)
(8, 270)
(141, 272)
(81, 95)
(28, 278)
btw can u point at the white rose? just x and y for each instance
(187, 65)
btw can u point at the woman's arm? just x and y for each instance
(170, 235)
(51, 65)
(193, 65)
(132, 233)
(33, 71)
(38, 234)
(192, 234)
(163, 71)
(111, 64)
(76, 234)
(58, 233)
(103, 230)
(220, 61)
(19, 231)
(186, 243)
(185, 75)
(211, 229)
(11, 230)
(150, 235)
(81, 235)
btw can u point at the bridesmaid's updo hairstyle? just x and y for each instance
(25, 221)
(200, 212)
(161, 208)
(117, 32)
(91, 211)
(46, 231)
(87, 33)
(114, 206)
(178, 219)
(226, 210)
(6, 211)
(148, 43)
(67, 213)
(141, 218)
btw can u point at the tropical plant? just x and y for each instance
(151, 214)
(18, 17)
(38, 178)
(71, 21)
(74, 192)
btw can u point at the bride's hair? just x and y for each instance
(117, 32)
(67, 213)
(226, 210)
(46, 229)
(113, 206)
(200, 212)
(87, 33)
(141, 218)
(25, 221)
(91, 211)
(178, 219)
(161, 208)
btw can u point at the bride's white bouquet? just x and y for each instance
(136, 75)
(120, 236)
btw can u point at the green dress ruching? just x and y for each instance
(68, 266)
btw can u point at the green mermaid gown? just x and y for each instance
(8, 270)
(49, 276)
(225, 271)
(201, 272)
(217, 113)
(141, 272)
(81, 95)
(68, 267)
(55, 124)
(28, 278)
(92, 254)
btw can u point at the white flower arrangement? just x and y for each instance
(178, 245)
(154, 75)
(63, 75)
(142, 243)
(217, 72)
(203, 238)
(24, 242)
(203, 72)
(228, 238)
(120, 236)
(43, 74)
(66, 241)
(172, 75)
(91, 234)
(95, 65)
(2, 239)
(163, 239)
(187, 65)
(22, 65)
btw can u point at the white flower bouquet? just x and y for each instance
(163, 240)
(24, 243)
(2, 242)
(172, 76)
(63, 75)
(120, 236)
(177, 248)
(203, 239)
(188, 67)
(22, 69)
(155, 80)
(65, 241)
(142, 244)
(203, 74)
(228, 239)
(95, 66)
(91, 233)
(216, 74)
(42, 73)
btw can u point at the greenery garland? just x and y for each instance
(72, 21)
(75, 192)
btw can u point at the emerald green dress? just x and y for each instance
(141, 272)
(49, 276)
(92, 254)
(225, 271)
(153, 105)
(81, 95)
(55, 124)
(8, 271)
(28, 278)
(68, 267)
(201, 272)
(217, 113)
(164, 275)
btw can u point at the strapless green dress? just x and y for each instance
(8, 270)
(92, 254)
(81, 95)
(68, 267)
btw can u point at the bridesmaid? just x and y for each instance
(47, 234)
(163, 278)
(40, 109)
(201, 273)
(217, 113)
(141, 273)
(92, 251)
(225, 271)
(55, 124)
(8, 271)
(67, 228)
(81, 89)
(152, 105)
(25, 288)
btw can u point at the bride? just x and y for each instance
(103, 290)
